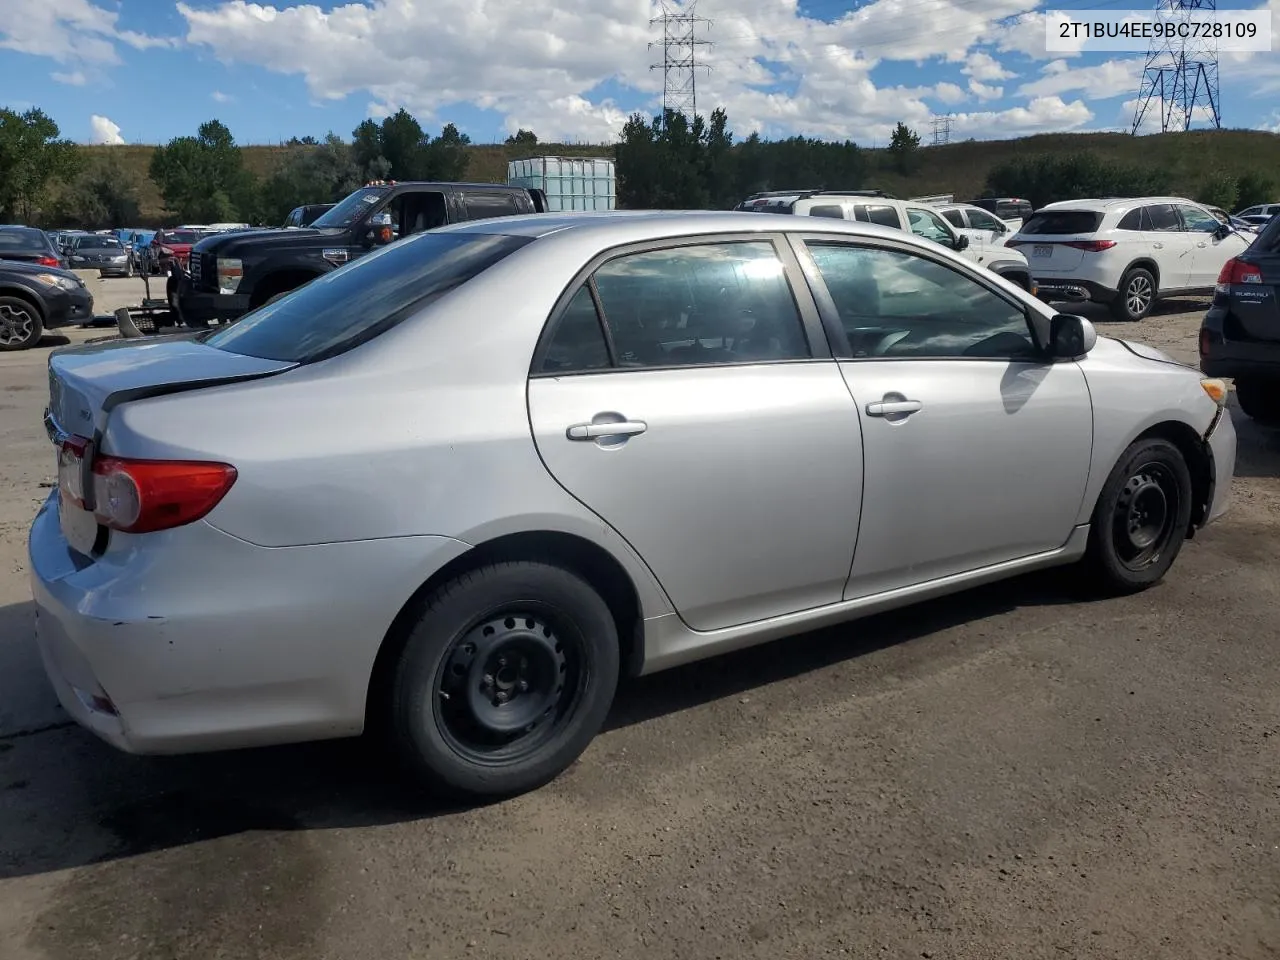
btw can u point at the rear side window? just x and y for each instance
(490, 204)
(832, 210)
(1048, 222)
(365, 298)
(1013, 211)
(1161, 217)
(885, 216)
(1131, 220)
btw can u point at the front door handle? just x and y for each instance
(1157, 246)
(1202, 244)
(611, 428)
(889, 408)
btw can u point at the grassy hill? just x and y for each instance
(959, 168)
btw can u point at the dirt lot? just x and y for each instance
(1014, 773)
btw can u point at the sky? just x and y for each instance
(144, 71)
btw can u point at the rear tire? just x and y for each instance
(504, 679)
(1259, 399)
(1136, 297)
(1141, 518)
(20, 324)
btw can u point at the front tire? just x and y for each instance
(1259, 399)
(504, 679)
(1141, 518)
(20, 324)
(1136, 297)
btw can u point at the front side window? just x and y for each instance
(879, 213)
(955, 217)
(927, 224)
(1196, 220)
(898, 305)
(709, 303)
(363, 299)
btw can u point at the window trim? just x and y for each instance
(1037, 325)
(815, 334)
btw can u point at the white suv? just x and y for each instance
(920, 218)
(1126, 253)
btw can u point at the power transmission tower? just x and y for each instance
(679, 66)
(1181, 73)
(942, 130)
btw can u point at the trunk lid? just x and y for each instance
(86, 383)
(1045, 239)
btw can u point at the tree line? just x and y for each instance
(666, 162)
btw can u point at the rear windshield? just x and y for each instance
(19, 238)
(1268, 241)
(180, 236)
(365, 298)
(1062, 221)
(97, 243)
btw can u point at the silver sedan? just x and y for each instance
(455, 489)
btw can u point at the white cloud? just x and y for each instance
(220, 97)
(949, 93)
(74, 79)
(985, 68)
(1042, 113)
(985, 91)
(1112, 78)
(69, 31)
(1026, 35)
(103, 130)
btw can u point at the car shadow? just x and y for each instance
(53, 340)
(67, 799)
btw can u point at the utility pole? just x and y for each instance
(942, 130)
(679, 66)
(1181, 74)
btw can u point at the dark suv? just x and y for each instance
(1240, 335)
(231, 274)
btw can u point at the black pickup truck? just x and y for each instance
(233, 273)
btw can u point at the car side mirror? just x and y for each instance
(1070, 337)
(1222, 231)
(962, 242)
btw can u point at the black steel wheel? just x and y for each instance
(507, 684)
(1142, 517)
(504, 679)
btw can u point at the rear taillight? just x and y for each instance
(1091, 246)
(1236, 270)
(48, 261)
(141, 496)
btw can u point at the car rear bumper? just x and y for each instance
(1237, 358)
(199, 305)
(192, 639)
(1072, 290)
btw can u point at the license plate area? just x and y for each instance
(1042, 251)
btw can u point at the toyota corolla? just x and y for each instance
(452, 491)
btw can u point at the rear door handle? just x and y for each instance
(1202, 244)
(888, 408)
(616, 428)
(1157, 246)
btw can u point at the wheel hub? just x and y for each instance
(503, 679)
(1146, 509)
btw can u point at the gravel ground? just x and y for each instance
(1012, 773)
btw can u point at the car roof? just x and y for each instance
(1107, 204)
(611, 227)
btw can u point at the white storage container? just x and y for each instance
(570, 183)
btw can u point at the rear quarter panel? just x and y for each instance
(1130, 395)
(423, 431)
